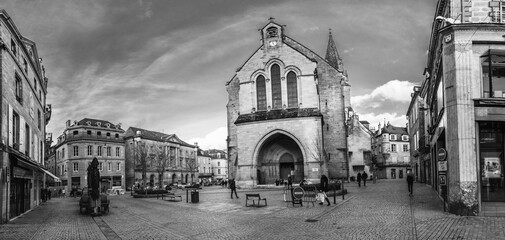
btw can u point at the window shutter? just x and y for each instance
(22, 136)
(11, 133)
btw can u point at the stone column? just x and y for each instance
(460, 128)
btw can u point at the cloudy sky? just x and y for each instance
(163, 65)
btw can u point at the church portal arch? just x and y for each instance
(277, 155)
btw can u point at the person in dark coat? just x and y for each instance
(324, 188)
(290, 181)
(233, 188)
(364, 176)
(410, 182)
(358, 178)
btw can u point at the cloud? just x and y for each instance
(394, 90)
(215, 139)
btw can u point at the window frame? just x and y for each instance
(292, 89)
(75, 166)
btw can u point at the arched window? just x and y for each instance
(261, 93)
(275, 73)
(292, 90)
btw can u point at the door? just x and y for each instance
(285, 169)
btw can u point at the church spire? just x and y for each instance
(332, 54)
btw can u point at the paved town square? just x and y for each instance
(379, 211)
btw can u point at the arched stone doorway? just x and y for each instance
(278, 157)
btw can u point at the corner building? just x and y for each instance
(465, 89)
(286, 112)
(84, 140)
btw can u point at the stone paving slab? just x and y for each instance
(380, 211)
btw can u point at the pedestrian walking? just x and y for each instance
(290, 181)
(410, 182)
(233, 188)
(359, 179)
(364, 176)
(324, 189)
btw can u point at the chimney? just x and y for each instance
(68, 123)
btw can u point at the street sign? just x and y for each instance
(442, 166)
(442, 154)
(442, 180)
(298, 193)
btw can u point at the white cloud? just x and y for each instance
(394, 90)
(215, 139)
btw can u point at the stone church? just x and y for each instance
(286, 112)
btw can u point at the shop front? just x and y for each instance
(491, 161)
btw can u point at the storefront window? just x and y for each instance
(491, 161)
(493, 73)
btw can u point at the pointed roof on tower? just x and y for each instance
(332, 55)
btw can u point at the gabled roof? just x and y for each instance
(394, 130)
(155, 136)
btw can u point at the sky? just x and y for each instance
(163, 65)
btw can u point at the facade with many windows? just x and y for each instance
(205, 172)
(219, 162)
(84, 140)
(391, 151)
(156, 159)
(24, 115)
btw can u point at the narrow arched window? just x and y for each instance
(292, 90)
(261, 93)
(275, 73)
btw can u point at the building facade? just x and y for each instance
(360, 147)
(84, 140)
(219, 163)
(205, 172)
(24, 115)
(391, 150)
(286, 112)
(463, 91)
(155, 159)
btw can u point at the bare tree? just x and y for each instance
(140, 153)
(192, 166)
(318, 153)
(161, 159)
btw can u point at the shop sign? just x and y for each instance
(442, 154)
(21, 173)
(442, 180)
(315, 169)
(442, 166)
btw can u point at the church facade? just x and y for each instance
(286, 113)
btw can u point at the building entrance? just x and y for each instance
(491, 144)
(279, 157)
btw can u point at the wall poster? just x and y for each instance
(492, 167)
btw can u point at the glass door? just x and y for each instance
(491, 161)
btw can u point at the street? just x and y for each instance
(379, 211)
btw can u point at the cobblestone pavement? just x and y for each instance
(379, 211)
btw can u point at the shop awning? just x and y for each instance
(56, 179)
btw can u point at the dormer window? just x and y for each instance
(107, 125)
(392, 137)
(88, 123)
(99, 124)
(405, 138)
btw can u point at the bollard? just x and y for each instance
(342, 189)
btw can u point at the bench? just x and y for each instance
(170, 197)
(253, 197)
